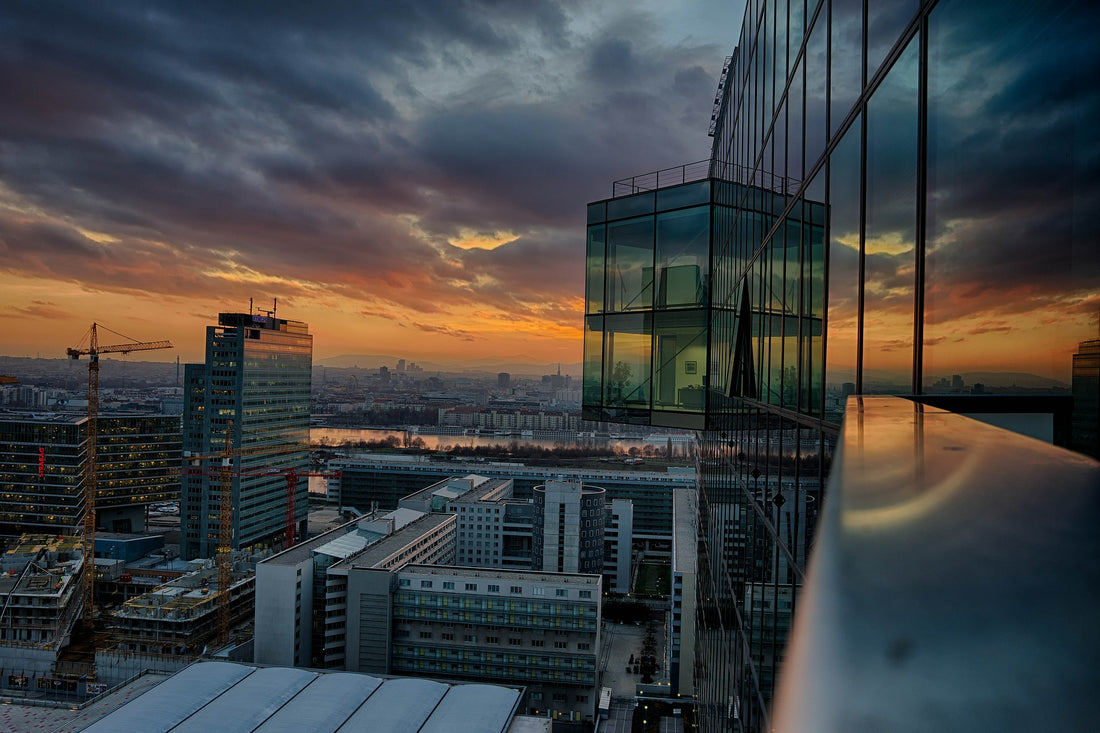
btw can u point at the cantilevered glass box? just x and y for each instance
(669, 337)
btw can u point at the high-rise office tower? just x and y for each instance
(256, 381)
(898, 193)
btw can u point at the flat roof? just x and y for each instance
(386, 546)
(304, 551)
(685, 528)
(231, 698)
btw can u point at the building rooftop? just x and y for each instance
(175, 601)
(230, 697)
(386, 546)
(685, 520)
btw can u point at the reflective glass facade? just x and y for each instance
(257, 375)
(912, 188)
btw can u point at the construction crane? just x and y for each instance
(292, 477)
(224, 475)
(93, 351)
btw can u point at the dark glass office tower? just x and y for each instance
(256, 378)
(900, 201)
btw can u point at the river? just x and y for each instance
(336, 436)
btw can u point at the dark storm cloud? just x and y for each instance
(205, 141)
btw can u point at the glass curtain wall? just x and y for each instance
(909, 188)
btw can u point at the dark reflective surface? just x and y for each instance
(889, 266)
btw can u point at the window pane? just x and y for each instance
(846, 70)
(680, 338)
(593, 360)
(627, 360)
(1011, 248)
(630, 205)
(885, 22)
(794, 127)
(816, 64)
(889, 263)
(683, 256)
(630, 264)
(594, 273)
(844, 204)
(677, 196)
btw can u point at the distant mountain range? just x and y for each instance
(995, 380)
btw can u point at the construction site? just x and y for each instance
(181, 616)
(40, 588)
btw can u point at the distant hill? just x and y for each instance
(1009, 379)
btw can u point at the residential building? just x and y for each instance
(40, 600)
(42, 461)
(869, 222)
(254, 385)
(180, 617)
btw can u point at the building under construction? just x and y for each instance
(41, 600)
(180, 617)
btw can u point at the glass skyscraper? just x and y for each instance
(256, 382)
(900, 200)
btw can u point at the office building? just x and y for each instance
(255, 383)
(42, 462)
(496, 530)
(685, 563)
(302, 593)
(895, 204)
(569, 534)
(540, 630)
(618, 543)
(383, 481)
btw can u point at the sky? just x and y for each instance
(408, 178)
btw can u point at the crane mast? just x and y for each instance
(90, 464)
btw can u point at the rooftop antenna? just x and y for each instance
(274, 306)
(250, 306)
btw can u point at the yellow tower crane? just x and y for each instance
(93, 351)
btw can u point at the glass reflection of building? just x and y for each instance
(257, 378)
(899, 198)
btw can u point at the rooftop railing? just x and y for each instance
(955, 583)
(699, 170)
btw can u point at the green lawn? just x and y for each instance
(653, 579)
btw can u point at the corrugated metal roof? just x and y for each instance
(173, 700)
(228, 697)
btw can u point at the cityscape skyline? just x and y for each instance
(404, 177)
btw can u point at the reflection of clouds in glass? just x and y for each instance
(1013, 151)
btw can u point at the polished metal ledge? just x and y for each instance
(955, 584)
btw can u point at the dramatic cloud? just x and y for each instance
(339, 158)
